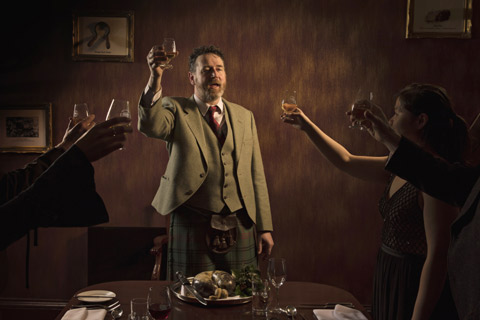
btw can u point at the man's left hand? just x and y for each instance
(265, 244)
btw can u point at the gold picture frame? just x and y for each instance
(439, 19)
(26, 128)
(105, 36)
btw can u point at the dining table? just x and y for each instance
(304, 296)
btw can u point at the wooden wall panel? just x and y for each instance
(326, 223)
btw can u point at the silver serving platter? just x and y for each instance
(176, 288)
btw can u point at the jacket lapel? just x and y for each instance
(238, 128)
(194, 119)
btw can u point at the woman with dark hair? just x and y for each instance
(411, 271)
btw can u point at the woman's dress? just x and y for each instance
(401, 257)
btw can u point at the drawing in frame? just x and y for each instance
(26, 128)
(439, 19)
(103, 36)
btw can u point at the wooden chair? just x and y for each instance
(159, 250)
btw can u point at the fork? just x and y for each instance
(97, 306)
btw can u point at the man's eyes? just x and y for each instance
(210, 69)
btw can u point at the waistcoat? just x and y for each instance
(220, 187)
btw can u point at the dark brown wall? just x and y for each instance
(326, 223)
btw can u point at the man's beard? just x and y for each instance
(212, 95)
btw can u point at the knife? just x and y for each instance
(184, 281)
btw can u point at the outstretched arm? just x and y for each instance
(363, 167)
(14, 182)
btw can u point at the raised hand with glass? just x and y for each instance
(119, 108)
(80, 112)
(289, 101)
(165, 53)
(360, 105)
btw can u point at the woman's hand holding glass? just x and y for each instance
(357, 112)
(296, 118)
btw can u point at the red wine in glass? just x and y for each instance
(159, 311)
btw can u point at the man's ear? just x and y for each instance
(191, 78)
(422, 120)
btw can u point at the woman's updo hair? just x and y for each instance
(445, 132)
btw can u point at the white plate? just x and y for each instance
(91, 296)
(177, 291)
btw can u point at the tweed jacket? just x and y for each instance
(178, 121)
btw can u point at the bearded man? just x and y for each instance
(214, 186)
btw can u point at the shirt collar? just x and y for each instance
(203, 107)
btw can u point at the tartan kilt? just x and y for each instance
(187, 246)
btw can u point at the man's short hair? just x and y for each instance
(201, 51)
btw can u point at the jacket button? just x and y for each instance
(202, 175)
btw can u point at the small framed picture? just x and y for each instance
(439, 19)
(103, 37)
(26, 128)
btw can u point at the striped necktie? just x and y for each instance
(214, 124)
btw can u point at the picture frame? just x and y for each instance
(439, 19)
(105, 36)
(26, 128)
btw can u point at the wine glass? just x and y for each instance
(80, 112)
(170, 51)
(119, 108)
(360, 105)
(139, 309)
(289, 101)
(159, 302)
(277, 274)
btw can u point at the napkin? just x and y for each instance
(84, 314)
(339, 313)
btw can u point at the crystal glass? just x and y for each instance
(159, 302)
(260, 297)
(138, 309)
(359, 106)
(170, 49)
(119, 108)
(289, 101)
(277, 274)
(80, 112)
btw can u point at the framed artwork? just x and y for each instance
(103, 37)
(439, 19)
(26, 128)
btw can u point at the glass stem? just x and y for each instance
(278, 295)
